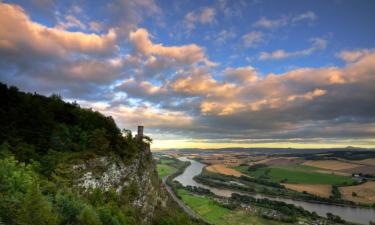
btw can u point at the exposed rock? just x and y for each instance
(110, 172)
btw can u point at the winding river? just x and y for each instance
(356, 215)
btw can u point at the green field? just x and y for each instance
(167, 161)
(165, 170)
(296, 174)
(213, 213)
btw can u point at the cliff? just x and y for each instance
(62, 164)
(138, 179)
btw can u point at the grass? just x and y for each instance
(296, 174)
(165, 170)
(167, 161)
(213, 213)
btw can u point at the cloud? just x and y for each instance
(71, 22)
(308, 96)
(150, 117)
(306, 103)
(309, 15)
(127, 14)
(33, 38)
(142, 90)
(223, 36)
(252, 39)
(317, 44)
(241, 74)
(284, 20)
(352, 56)
(202, 16)
(270, 24)
(200, 83)
(187, 54)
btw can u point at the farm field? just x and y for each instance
(365, 193)
(368, 162)
(213, 213)
(322, 190)
(223, 170)
(330, 164)
(296, 174)
(165, 170)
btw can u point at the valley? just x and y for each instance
(322, 187)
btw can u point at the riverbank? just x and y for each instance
(358, 215)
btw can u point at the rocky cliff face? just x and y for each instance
(137, 178)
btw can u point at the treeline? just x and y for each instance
(34, 125)
(199, 190)
(290, 212)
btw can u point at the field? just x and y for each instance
(165, 170)
(296, 174)
(368, 162)
(365, 193)
(213, 213)
(331, 164)
(223, 170)
(322, 190)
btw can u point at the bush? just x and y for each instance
(36, 209)
(69, 207)
(88, 216)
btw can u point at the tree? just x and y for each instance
(36, 209)
(98, 141)
(69, 207)
(147, 140)
(88, 216)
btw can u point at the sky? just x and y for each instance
(204, 74)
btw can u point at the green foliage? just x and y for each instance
(106, 217)
(88, 216)
(32, 124)
(69, 207)
(36, 209)
(98, 142)
(14, 177)
(335, 192)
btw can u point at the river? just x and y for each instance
(356, 215)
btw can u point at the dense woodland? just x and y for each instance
(39, 136)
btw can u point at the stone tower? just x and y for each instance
(140, 132)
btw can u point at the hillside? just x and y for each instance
(63, 164)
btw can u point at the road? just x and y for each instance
(184, 207)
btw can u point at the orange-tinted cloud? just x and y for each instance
(18, 32)
(187, 54)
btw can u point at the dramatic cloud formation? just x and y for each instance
(225, 79)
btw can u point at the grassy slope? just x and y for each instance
(216, 214)
(165, 170)
(298, 174)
